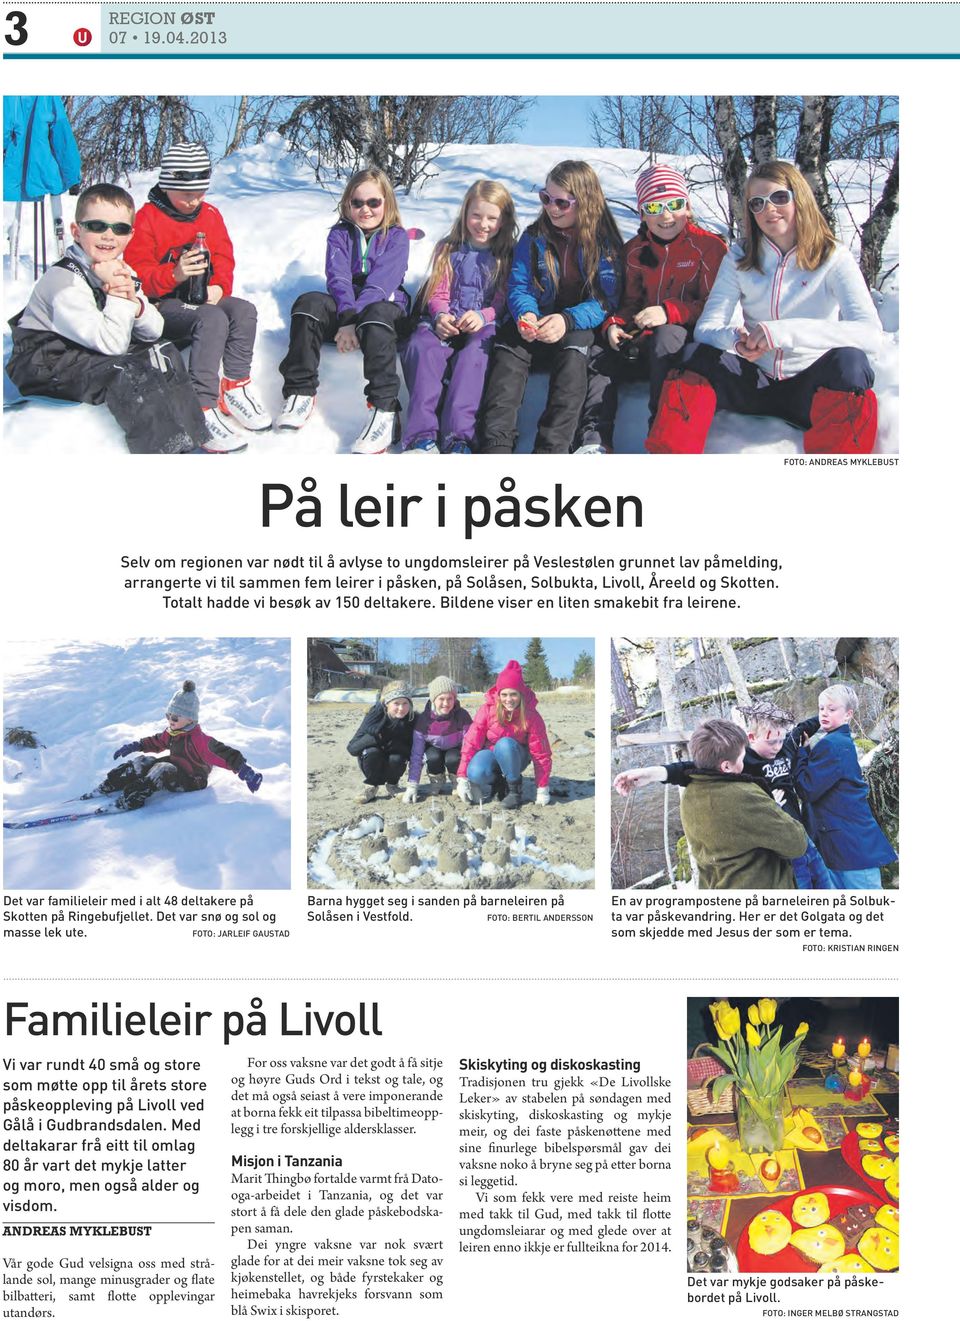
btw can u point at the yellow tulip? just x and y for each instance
(717, 1008)
(767, 1010)
(727, 1022)
(753, 1036)
(753, 1013)
(802, 1030)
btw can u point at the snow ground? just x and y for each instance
(278, 217)
(83, 700)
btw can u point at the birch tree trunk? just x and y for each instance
(733, 168)
(875, 231)
(621, 692)
(813, 148)
(764, 129)
(740, 689)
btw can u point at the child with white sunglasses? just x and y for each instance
(786, 331)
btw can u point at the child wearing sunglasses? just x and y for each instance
(669, 268)
(193, 289)
(88, 334)
(367, 252)
(564, 280)
(461, 301)
(786, 331)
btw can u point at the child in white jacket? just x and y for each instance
(786, 331)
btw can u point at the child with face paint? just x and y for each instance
(383, 741)
(437, 737)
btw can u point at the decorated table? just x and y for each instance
(739, 1170)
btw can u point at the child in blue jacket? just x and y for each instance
(834, 792)
(564, 281)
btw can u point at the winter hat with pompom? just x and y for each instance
(660, 182)
(441, 684)
(185, 701)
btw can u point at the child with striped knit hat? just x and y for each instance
(669, 268)
(183, 256)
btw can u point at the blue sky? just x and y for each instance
(561, 652)
(560, 120)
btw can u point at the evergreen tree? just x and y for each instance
(536, 671)
(583, 668)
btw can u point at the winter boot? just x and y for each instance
(687, 405)
(240, 400)
(841, 422)
(437, 783)
(221, 437)
(514, 794)
(295, 412)
(367, 793)
(382, 431)
(392, 790)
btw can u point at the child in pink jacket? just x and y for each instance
(507, 733)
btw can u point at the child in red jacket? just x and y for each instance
(193, 289)
(507, 733)
(190, 755)
(669, 268)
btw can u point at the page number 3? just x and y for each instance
(17, 21)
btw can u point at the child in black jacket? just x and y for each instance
(383, 741)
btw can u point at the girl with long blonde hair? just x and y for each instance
(507, 733)
(786, 331)
(460, 303)
(367, 251)
(564, 281)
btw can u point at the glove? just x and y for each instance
(127, 749)
(543, 796)
(251, 778)
(412, 793)
(463, 790)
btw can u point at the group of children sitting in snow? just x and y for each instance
(777, 806)
(781, 324)
(485, 755)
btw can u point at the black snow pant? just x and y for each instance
(380, 767)
(138, 779)
(314, 321)
(218, 332)
(512, 359)
(440, 762)
(146, 389)
(742, 387)
(609, 369)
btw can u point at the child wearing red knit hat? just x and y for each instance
(669, 268)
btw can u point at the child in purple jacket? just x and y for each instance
(367, 251)
(437, 736)
(462, 300)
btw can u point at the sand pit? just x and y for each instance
(439, 842)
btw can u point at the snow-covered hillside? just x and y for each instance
(85, 699)
(278, 217)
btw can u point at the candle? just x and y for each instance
(718, 1156)
(838, 1049)
(854, 1077)
(863, 1049)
